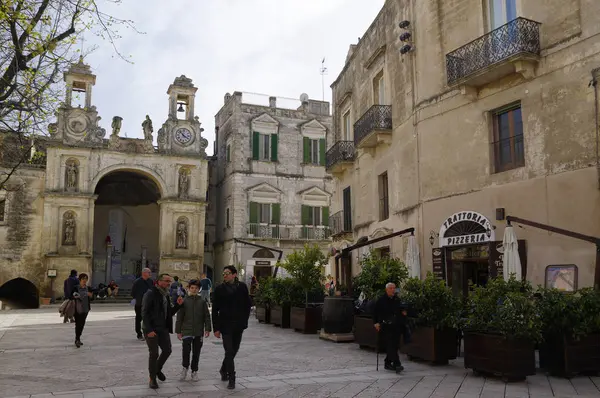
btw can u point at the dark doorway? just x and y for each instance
(20, 293)
(262, 271)
(468, 266)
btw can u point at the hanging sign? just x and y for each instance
(466, 228)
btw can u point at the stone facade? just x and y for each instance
(487, 112)
(82, 212)
(269, 175)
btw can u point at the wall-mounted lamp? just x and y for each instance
(432, 236)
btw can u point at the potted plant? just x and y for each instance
(571, 331)
(501, 329)
(376, 272)
(434, 336)
(306, 269)
(262, 300)
(284, 292)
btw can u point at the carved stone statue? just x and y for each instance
(181, 241)
(183, 183)
(116, 125)
(72, 174)
(148, 129)
(69, 229)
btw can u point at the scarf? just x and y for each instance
(165, 295)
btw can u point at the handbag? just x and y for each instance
(70, 309)
(63, 307)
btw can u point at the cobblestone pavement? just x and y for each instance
(38, 360)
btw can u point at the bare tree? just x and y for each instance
(37, 44)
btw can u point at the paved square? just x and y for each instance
(38, 360)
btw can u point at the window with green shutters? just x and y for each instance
(314, 151)
(312, 217)
(264, 213)
(264, 147)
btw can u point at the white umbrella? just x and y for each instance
(412, 259)
(512, 262)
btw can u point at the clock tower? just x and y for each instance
(181, 133)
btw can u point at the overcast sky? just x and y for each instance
(272, 47)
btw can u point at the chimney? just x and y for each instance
(273, 102)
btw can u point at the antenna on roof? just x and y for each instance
(323, 71)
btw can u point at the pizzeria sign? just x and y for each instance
(478, 229)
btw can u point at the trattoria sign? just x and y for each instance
(473, 228)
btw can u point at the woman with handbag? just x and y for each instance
(82, 296)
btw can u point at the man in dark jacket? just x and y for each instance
(139, 288)
(389, 319)
(70, 283)
(157, 315)
(230, 313)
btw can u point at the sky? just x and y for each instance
(272, 47)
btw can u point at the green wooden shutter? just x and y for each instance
(322, 151)
(306, 150)
(305, 214)
(273, 147)
(253, 212)
(255, 141)
(275, 213)
(325, 217)
(229, 153)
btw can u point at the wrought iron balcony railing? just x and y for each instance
(341, 151)
(287, 232)
(378, 117)
(519, 36)
(340, 223)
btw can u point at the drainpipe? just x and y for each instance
(594, 83)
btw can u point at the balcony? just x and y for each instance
(287, 232)
(340, 223)
(374, 127)
(511, 48)
(340, 157)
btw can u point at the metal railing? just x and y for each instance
(341, 151)
(340, 223)
(519, 36)
(287, 232)
(378, 117)
(509, 153)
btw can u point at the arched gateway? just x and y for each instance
(114, 205)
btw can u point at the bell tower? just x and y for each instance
(77, 125)
(182, 132)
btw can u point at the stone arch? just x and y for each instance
(182, 233)
(135, 168)
(69, 228)
(263, 253)
(20, 293)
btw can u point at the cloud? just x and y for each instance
(267, 46)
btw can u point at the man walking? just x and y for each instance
(70, 283)
(157, 315)
(205, 288)
(230, 312)
(389, 319)
(139, 288)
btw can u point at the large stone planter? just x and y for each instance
(263, 314)
(365, 334)
(280, 316)
(433, 345)
(494, 354)
(306, 320)
(338, 315)
(565, 357)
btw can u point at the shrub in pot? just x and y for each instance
(306, 270)
(262, 299)
(571, 331)
(284, 293)
(501, 328)
(437, 313)
(376, 271)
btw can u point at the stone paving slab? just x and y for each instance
(38, 360)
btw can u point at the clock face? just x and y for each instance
(183, 136)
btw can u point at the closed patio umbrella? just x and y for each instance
(512, 261)
(412, 259)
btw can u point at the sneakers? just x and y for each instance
(184, 373)
(194, 376)
(153, 384)
(140, 337)
(161, 376)
(399, 368)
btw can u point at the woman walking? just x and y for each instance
(82, 296)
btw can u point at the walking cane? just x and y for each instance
(377, 351)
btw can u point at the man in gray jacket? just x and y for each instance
(193, 323)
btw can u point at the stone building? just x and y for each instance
(270, 181)
(450, 115)
(107, 206)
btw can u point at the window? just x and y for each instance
(384, 252)
(347, 127)
(508, 139)
(314, 151)
(264, 147)
(264, 213)
(379, 89)
(502, 12)
(2, 210)
(384, 205)
(347, 203)
(227, 218)
(314, 219)
(228, 153)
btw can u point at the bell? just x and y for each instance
(180, 109)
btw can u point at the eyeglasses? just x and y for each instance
(226, 273)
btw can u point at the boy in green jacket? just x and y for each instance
(193, 322)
